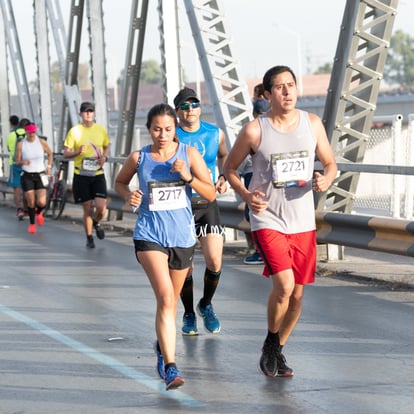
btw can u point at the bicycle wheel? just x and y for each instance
(48, 199)
(58, 203)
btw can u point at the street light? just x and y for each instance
(299, 54)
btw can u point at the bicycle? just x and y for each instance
(57, 190)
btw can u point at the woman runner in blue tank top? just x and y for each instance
(164, 235)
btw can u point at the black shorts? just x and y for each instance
(31, 181)
(178, 257)
(87, 188)
(206, 217)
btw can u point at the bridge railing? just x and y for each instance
(386, 234)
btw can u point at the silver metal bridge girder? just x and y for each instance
(228, 92)
(16, 58)
(353, 91)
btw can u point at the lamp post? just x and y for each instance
(298, 54)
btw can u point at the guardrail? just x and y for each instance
(390, 235)
(381, 234)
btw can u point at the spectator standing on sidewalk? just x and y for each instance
(210, 142)
(88, 144)
(283, 144)
(164, 234)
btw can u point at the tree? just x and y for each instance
(150, 73)
(399, 66)
(83, 76)
(326, 68)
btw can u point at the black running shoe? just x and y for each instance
(282, 369)
(89, 242)
(100, 233)
(268, 360)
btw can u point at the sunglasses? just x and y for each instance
(187, 106)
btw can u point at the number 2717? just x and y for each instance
(169, 194)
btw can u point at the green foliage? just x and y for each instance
(326, 68)
(399, 66)
(56, 79)
(150, 73)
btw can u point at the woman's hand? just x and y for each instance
(135, 198)
(180, 167)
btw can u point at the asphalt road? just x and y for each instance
(77, 327)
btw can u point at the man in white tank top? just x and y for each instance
(283, 143)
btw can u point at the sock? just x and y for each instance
(211, 280)
(38, 209)
(187, 296)
(273, 338)
(171, 364)
(31, 212)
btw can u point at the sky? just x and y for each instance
(302, 34)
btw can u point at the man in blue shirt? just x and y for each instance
(210, 141)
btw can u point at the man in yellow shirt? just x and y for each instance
(88, 144)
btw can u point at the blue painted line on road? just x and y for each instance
(116, 365)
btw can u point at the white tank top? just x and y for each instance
(283, 170)
(34, 152)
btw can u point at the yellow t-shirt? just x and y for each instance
(96, 139)
(12, 141)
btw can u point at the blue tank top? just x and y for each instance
(165, 216)
(206, 140)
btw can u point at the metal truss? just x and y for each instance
(16, 58)
(67, 49)
(130, 81)
(45, 121)
(172, 79)
(353, 91)
(227, 90)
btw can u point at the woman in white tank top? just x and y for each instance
(30, 154)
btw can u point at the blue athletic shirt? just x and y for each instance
(165, 216)
(206, 139)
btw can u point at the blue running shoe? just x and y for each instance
(211, 321)
(160, 361)
(189, 324)
(253, 259)
(173, 379)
